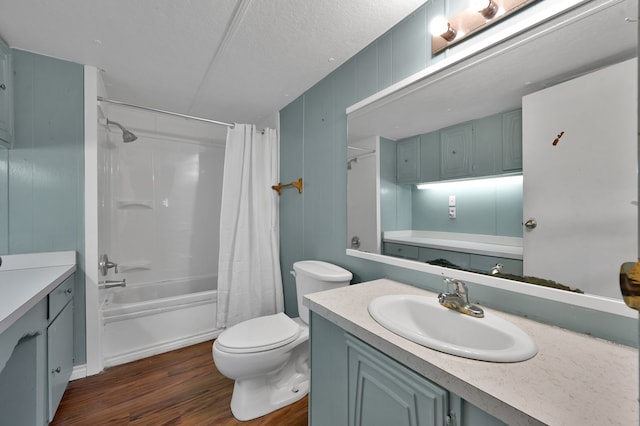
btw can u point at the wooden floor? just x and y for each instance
(182, 387)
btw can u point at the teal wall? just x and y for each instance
(42, 176)
(489, 210)
(314, 146)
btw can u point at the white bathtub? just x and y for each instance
(142, 320)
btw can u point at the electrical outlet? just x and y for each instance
(452, 200)
(452, 212)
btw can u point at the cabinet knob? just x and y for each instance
(531, 224)
(57, 370)
(68, 291)
(3, 87)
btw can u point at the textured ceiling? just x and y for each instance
(236, 61)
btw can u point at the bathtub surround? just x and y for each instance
(159, 220)
(249, 277)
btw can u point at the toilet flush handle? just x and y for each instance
(293, 273)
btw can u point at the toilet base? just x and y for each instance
(253, 398)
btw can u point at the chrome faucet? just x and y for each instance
(459, 300)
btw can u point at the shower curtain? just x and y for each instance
(249, 278)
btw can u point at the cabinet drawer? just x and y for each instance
(59, 297)
(401, 250)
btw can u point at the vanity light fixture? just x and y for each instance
(486, 8)
(479, 14)
(440, 27)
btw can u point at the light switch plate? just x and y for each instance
(452, 212)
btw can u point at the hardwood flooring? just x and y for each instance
(181, 387)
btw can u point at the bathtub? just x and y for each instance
(142, 320)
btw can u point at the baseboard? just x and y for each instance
(79, 372)
(160, 348)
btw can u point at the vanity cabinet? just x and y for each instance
(59, 344)
(38, 351)
(401, 250)
(353, 383)
(6, 96)
(484, 147)
(463, 260)
(384, 392)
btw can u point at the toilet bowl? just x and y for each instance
(268, 356)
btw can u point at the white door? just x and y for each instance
(580, 179)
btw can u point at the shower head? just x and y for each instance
(127, 136)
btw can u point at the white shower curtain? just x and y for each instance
(249, 278)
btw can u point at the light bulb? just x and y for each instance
(439, 26)
(487, 8)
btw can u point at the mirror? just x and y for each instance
(536, 72)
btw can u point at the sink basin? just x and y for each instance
(423, 320)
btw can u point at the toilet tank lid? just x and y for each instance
(322, 270)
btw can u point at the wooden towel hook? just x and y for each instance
(295, 184)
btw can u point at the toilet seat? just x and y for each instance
(259, 334)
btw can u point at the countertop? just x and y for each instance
(487, 245)
(573, 380)
(27, 278)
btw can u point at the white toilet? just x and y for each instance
(268, 356)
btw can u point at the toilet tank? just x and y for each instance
(313, 276)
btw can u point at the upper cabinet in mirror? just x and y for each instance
(551, 104)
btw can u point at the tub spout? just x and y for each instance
(111, 283)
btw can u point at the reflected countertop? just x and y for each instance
(487, 245)
(574, 378)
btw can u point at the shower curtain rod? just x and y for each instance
(220, 123)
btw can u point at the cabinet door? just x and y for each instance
(408, 150)
(430, 157)
(512, 141)
(6, 97)
(60, 356)
(383, 392)
(455, 143)
(487, 146)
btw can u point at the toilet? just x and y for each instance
(268, 357)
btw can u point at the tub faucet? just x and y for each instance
(459, 300)
(110, 283)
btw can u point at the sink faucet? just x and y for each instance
(458, 300)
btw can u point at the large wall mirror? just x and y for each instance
(552, 107)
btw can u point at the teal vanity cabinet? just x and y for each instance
(461, 259)
(59, 344)
(38, 351)
(354, 384)
(6, 96)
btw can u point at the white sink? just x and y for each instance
(423, 320)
